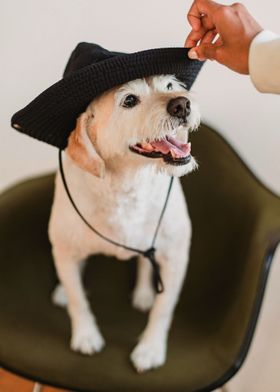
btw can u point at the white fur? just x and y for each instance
(122, 194)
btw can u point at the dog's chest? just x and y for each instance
(128, 217)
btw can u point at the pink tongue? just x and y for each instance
(175, 147)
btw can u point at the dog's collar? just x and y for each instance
(149, 253)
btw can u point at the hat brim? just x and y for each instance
(52, 116)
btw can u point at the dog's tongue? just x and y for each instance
(175, 147)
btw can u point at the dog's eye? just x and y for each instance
(169, 86)
(130, 101)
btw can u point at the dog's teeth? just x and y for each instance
(147, 146)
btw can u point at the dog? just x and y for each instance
(118, 163)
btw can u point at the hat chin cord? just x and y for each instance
(149, 253)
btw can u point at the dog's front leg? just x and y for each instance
(86, 337)
(150, 352)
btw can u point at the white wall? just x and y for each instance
(37, 36)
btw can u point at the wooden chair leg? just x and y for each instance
(222, 389)
(37, 387)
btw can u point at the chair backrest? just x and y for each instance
(236, 228)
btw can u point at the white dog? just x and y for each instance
(118, 164)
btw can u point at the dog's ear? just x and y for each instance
(81, 149)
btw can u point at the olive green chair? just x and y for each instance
(236, 228)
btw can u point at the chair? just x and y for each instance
(236, 228)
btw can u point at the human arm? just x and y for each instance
(264, 62)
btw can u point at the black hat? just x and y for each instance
(90, 71)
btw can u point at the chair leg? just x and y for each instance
(222, 389)
(37, 387)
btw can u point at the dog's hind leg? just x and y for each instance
(143, 294)
(86, 337)
(59, 296)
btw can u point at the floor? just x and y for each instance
(11, 383)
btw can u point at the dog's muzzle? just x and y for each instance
(171, 150)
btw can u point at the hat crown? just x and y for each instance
(85, 54)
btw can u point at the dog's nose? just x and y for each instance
(179, 107)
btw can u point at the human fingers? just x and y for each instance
(209, 37)
(198, 9)
(194, 37)
(189, 43)
(194, 16)
(205, 51)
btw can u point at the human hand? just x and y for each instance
(221, 33)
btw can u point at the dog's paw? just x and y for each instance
(148, 356)
(87, 340)
(59, 296)
(143, 299)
